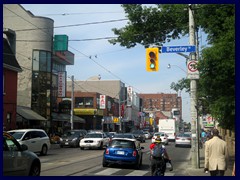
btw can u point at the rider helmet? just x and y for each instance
(158, 140)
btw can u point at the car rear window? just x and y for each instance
(122, 144)
(94, 136)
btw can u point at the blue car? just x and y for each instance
(123, 151)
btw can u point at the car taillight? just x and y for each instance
(153, 137)
(177, 138)
(107, 151)
(189, 138)
(134, 153)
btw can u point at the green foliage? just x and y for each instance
(152, 25)
(162, 23)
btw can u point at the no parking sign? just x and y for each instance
(193, 72)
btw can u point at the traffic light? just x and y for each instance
(152, 63)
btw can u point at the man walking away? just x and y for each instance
(216, 155)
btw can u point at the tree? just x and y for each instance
(162, 23)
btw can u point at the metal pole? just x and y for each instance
(119, 113)
(193, 90)
(72, 98)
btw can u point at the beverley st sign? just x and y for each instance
(178, 49)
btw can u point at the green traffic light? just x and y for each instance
(152, 66)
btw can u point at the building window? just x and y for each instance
(84, 102)
(41, 61)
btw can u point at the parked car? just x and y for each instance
(36, 140)
(163, 136)
(123, 151)
(139, 134)
(94, 140)
(17, 160)
(183, 139)
(72, 138)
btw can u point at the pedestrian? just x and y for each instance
(216, 155)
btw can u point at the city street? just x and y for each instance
(76, 162)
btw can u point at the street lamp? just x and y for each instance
(169, 66)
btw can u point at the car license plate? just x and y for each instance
(66, 143)
(183, 139)
(120, 152)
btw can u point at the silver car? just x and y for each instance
(17, 160)
(183, 139)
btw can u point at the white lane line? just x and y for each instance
(137, 173)
(108, 171)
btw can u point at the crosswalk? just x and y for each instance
(122, 172)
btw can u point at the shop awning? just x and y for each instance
(67, 117)
(29, 114)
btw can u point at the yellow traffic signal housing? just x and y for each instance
(152, 61)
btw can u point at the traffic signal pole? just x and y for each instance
(193, 99)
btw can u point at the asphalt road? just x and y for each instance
(75, 162)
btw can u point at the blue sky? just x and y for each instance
(113, 61)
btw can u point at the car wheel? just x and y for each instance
(104, 163)
(35, 169)
(44, 150)
(101, 145)
(75, 145)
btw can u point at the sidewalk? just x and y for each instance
(200, 171)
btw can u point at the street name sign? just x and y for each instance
(178, 49)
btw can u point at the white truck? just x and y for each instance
(170, 127)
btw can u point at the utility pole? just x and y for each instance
(72, 99)
(193, 99)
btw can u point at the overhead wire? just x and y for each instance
(41, 29)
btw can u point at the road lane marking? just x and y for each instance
(137, 173)
(108, 171)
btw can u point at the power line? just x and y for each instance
(68, 14)
(73, 25)
(78, 50)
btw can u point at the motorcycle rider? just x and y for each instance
(154, 160)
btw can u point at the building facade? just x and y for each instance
(37, 88)
(11, 69)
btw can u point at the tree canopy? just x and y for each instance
(162, 23)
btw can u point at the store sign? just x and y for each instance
(62, 84)
(102, 102)
(97, 112)
(129, 96)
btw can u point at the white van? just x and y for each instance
(36, 140)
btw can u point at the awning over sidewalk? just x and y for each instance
(67, 117)
(29, 114)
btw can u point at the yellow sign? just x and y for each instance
(115, 120)
(78, 111)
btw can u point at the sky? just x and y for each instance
(113, 62)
